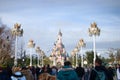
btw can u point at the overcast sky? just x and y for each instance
(42, 19)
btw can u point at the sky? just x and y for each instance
(41, 21)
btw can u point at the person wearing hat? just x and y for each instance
(18, 76)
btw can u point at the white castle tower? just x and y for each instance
(58, 51)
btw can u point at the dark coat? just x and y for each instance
(67, 73)
(80, 71)
(4, 75)
(93, 74)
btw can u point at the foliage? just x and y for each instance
(89, 57)
(47, 61)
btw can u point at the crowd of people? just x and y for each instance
(66, 72)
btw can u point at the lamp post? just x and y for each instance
(16, 31)
(81, 44)
(94, 31)
(38, 51)
(76, 50)
(73, 54)
(31, 45)
(42, 54)
(115, 53)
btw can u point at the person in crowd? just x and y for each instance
(67, 72)
(43, 69)
(27, 73)
(87, 72)
(80, 71)
(44, 76)
(4, 75)
(49, 70)
(118, 72)
(17, 74)
(111, 71)
(46, 69)
(94, 75)
(38, 69)
(54, 71)
(32, 68)
(9, 70)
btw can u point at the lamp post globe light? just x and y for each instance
(16, 31)
(81, 44)
(94, 31)
(38, 51)
(85, 62)
(31, 45)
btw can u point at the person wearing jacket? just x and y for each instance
(27, 73)
(4, 75)
(80, 71)
(99, 67)
(67, 72)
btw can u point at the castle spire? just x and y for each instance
(60, 32)
(59, 38)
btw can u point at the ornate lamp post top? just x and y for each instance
(94, 30)
(81, 43)
(17, 26)
(76, 49)
(16, 31)
(38, 50)
(72, 53)
(31, 44)
(42, 53)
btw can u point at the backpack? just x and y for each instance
(100, 75)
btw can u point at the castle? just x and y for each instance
(58, 52)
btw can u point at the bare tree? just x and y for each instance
(6, 42)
